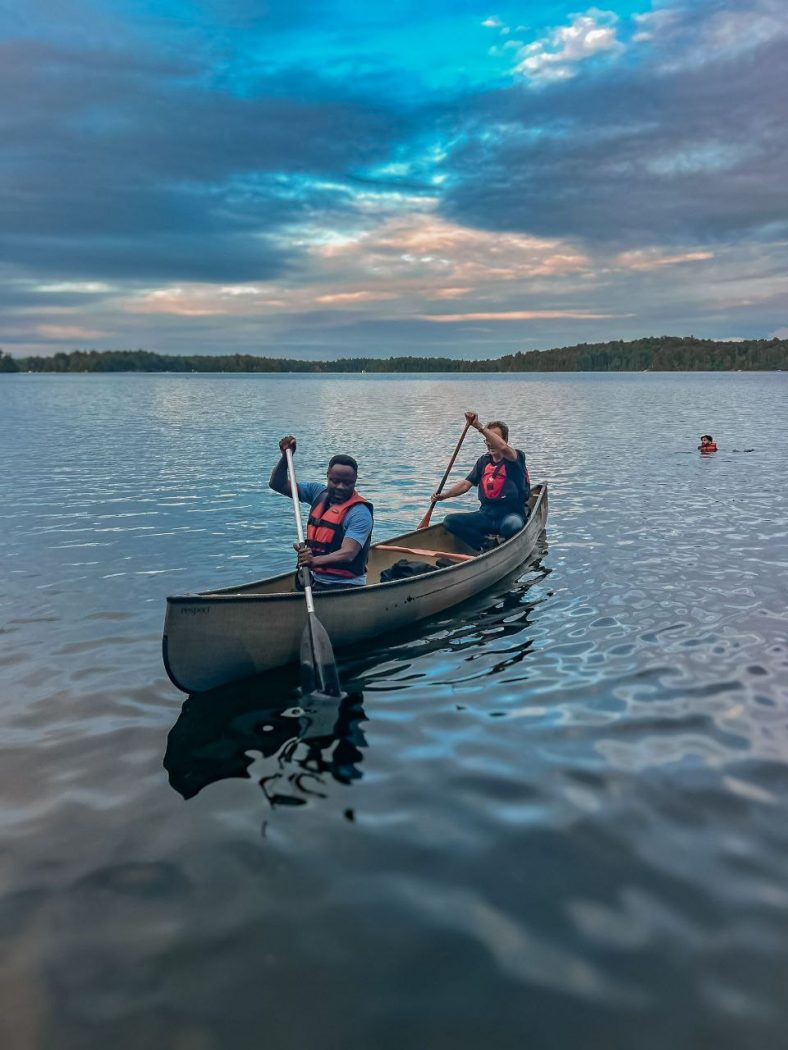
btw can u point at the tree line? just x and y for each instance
(664, 353)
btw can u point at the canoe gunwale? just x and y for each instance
(216, 637)
(460, 568)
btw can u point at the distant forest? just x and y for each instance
(664, 353)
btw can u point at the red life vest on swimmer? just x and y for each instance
(324, 533)
(708, 448)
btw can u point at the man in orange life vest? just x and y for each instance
(339, 528)
(502, 478)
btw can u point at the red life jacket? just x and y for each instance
(708, 448)
(492, 485)
(324, 533)
(494, 479)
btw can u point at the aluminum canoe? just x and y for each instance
(217, 637)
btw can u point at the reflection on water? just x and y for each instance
(219, 733)
(490, 635)
(552, 815)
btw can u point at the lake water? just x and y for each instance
(555, 818)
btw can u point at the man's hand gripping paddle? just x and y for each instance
(319, 673)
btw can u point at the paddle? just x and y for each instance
(318, 667)
(426, 519)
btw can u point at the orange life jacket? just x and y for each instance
(708, 448)
(325, 534)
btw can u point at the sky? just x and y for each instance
(326, 178)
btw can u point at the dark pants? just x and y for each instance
(473, 527)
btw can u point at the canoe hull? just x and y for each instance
(218, 637)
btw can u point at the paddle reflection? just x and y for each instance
(220, 734)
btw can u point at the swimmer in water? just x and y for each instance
(707, 444)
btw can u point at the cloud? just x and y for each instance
(423, 246)
(195, 255)
(649, 259)
(517, 315)
(404, 264)
(313, 183)
(452, 293)
(649, 25)
(557, 55)
(76, 287)
(180, 302)
(68, 333)
(637, 151)
(696, 35)
(340, 298)
(126, 164)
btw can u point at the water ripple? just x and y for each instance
(555, 811)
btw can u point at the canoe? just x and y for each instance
(217, 637)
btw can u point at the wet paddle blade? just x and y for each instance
(426, 519)
(318, 667)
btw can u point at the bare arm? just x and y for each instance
(494, 440)
(279, 481)
(346, 553)
(455, 490)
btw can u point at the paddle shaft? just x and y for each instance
(319, 673)
(310, 601)
(426, 519)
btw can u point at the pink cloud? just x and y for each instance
(652, 259)
(517, 315)
(356, 297)
(56, 331)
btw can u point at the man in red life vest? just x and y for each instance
(707, 444)
(503, 488)
(340, 522)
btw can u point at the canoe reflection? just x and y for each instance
(218, 735)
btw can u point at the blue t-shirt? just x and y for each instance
(357, 524)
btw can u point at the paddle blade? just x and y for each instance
(424, 523)
(318, 667)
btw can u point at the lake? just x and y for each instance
(555, 818)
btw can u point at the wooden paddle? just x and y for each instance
(426, 519)
(318, 667)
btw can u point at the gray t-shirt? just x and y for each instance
(357, 524)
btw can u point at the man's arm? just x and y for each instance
(494, 440)
(279, 481)
(461, 487)
(456, 490)
(359, 526)
(346, 553)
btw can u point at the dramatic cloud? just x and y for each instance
(418, 259)
(122, 167)
(317, 179)
(666, 148)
